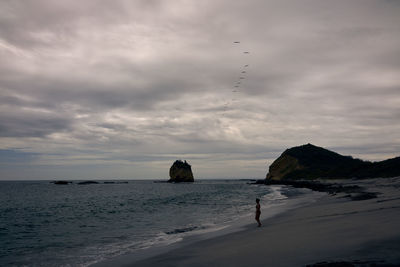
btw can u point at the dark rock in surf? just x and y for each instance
(62, 182)
(88, 182)
(180, 171)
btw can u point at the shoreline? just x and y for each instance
(332, 230)
(242, 223)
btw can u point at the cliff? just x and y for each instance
(311, 162)
(180, 172)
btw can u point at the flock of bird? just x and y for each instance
(238, 83)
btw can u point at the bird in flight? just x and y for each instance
(246, 65)
(246, 52)
(236, 42)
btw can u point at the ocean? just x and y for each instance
(44, 224)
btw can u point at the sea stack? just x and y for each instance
(180, 171)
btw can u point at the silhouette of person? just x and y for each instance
(258, 212)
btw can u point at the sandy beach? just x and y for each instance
(333, 230)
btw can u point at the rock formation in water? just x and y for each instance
(62, 182)
(311, 162)
(88, 182)
(180, 171)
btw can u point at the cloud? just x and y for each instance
(115, 83)
(15, 157)
(28, 121)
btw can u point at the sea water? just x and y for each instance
(44, 224)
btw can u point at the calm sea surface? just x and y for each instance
(43, 224)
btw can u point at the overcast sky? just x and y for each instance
(121, 89)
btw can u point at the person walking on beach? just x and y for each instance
(258, 212)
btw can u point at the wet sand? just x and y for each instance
(335, 229)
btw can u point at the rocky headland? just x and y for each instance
(180, 171)
(308, 162)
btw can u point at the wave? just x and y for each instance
(183, 230)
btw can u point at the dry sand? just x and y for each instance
(334, 229)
